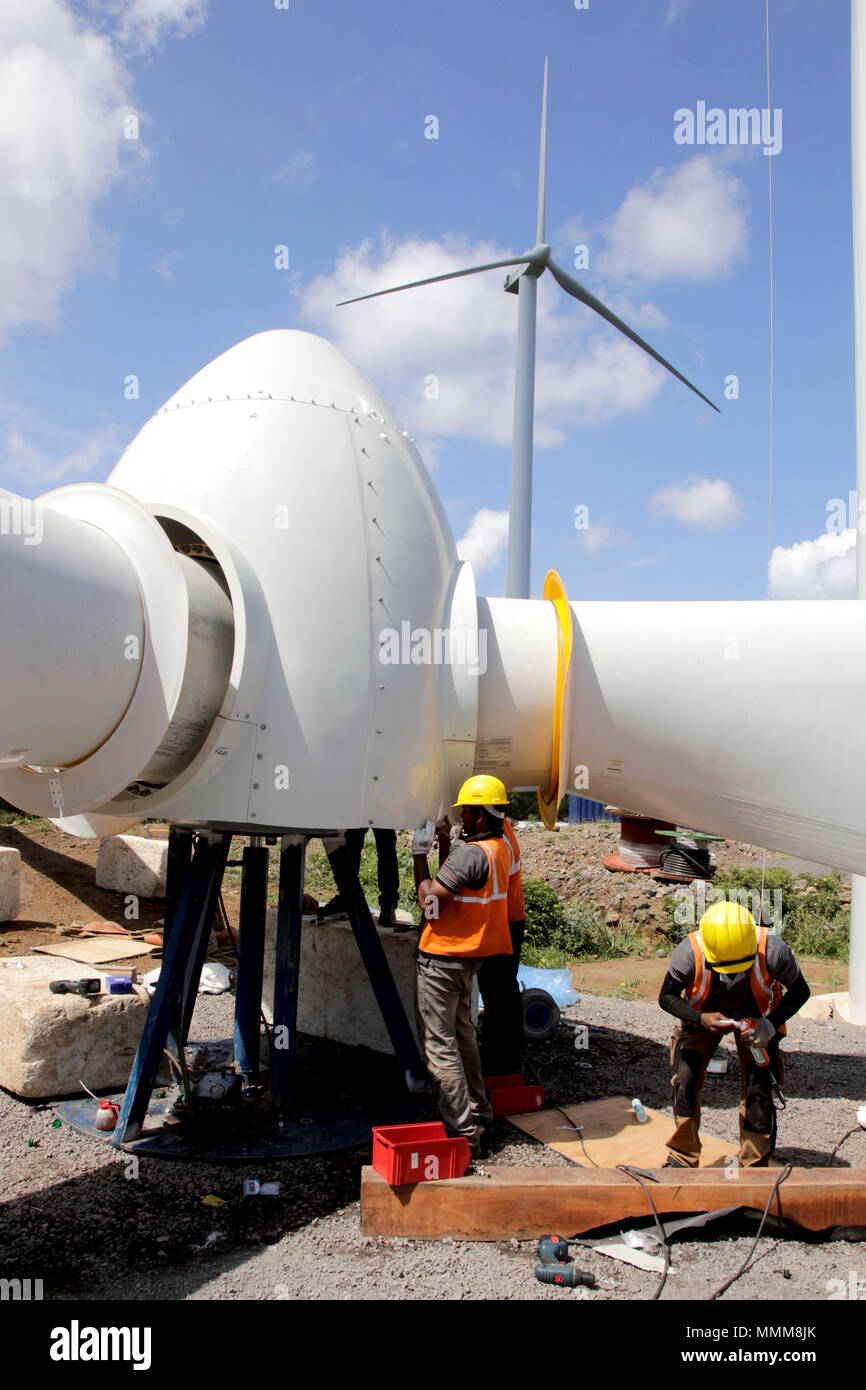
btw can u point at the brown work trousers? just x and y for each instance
(691, 1050)
(450, 1045)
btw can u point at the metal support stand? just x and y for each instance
(251, 959)
(373, 956)
(287, 967)
(176, 987)
(177, 869)
(321, 1096)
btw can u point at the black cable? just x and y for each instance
(633, 1173)
(829, 1163)
(785, 1173)
(681, 860)
(578, 1129)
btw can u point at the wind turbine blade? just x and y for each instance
(575, 288)
(434, 279)
(542, 160)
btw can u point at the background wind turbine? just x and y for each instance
(523, 283)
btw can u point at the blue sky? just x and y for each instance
(305, 127)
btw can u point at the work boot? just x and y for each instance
(485, 1142)
(332, 910)
(388, 918)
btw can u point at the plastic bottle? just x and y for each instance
(639, 1113)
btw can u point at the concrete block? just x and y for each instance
(335, 997)
(50, 1042)
(838, 1005)
(132, 864)
(819, 1006)
(10, 884)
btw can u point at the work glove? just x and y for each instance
(422, 841)
(760, 1033)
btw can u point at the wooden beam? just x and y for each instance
(527, 1202)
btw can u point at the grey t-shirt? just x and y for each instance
(467, 866)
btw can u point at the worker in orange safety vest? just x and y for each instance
(466, 921)
(732, 974)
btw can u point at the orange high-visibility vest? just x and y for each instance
(516, 906)
(475, 921)
(766, 990)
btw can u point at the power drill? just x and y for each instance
(552, 1251)
(550, 1248)
(566, 1276)
(75, 986)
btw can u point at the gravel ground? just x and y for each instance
(71, 1216)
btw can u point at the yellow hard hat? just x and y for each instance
(729, 937)
(482, 791)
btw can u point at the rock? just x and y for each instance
(132, 864)
(10, 883)
(335, 997)
(50, 1042)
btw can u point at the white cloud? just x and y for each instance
(144, 24)
(165, 266)
(77, 456)
(64, 91)
(301, 170)
(444, 354)
(824, 568)
(688, 223)
(676, 10)
(485, 540)
(709, 503)
(429, 449)
(598, 537)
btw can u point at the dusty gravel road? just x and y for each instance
(70, 1216)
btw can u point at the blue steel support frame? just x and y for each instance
(375, 961)
(287, 967)
(251, 957)
(190, 924)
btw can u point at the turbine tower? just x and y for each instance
(524, 283)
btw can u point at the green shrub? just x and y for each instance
(813, 923)
(319, 880)
(816, 935)
(545, 914)
(524, 806)
(556, 934)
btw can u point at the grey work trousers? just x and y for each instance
(450, 1045)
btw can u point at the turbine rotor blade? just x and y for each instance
(575, 288)
(528, 259)
(542, 160)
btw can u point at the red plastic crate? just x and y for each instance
(509, 1095)
(418, 1153)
